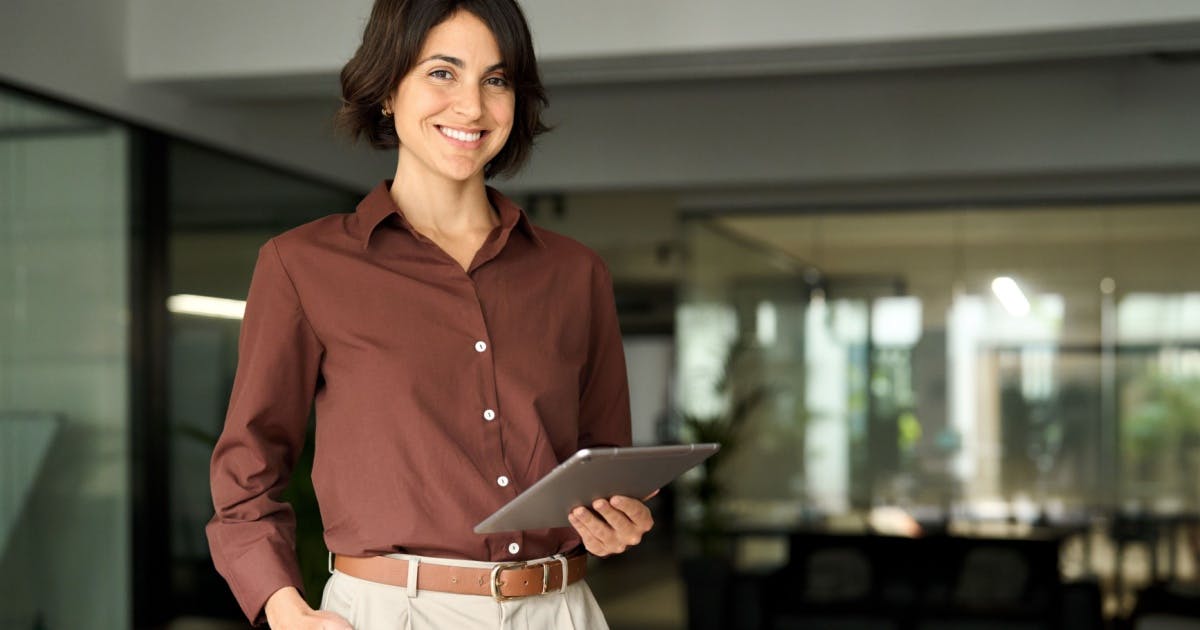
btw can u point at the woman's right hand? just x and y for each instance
(287, 610)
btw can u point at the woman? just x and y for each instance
(455, 353)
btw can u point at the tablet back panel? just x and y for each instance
(591, 474)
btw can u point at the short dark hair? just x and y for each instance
(391, 43)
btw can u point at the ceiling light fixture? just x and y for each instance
(1011, 296)
(204, 306)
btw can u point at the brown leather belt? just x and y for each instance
(506, 580)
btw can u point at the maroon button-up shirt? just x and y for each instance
(440, 394)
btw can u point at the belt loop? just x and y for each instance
(329, 563)
(563, 561)
(413, 564)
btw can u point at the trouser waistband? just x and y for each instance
(500, 580)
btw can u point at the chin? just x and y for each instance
(463, 174)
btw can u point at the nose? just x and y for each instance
(468, 101)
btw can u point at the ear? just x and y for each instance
(386, 105)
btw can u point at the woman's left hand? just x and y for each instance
(625, 520)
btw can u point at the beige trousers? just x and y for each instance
(373, 606)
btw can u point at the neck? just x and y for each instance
(445, 205)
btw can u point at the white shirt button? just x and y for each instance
(489, 415)
(480, 346)
(503, 481)
(513, 548)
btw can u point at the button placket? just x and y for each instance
(489, 414)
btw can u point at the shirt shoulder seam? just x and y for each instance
(296, 292)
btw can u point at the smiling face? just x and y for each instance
(454, 110)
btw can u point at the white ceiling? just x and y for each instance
(272, 49)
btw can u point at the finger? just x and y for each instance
(626, 531)
(635, 511)
(639, 519)
(615, 518)
(631, 507)
(580, 521)
(589, 541)
(602, 530)
(599, 528)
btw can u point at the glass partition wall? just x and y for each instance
(124, 255)
(1029, 366)
(64, 368)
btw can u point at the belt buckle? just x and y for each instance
(497, 569)
(504, 566)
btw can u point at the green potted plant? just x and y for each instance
(708, 569)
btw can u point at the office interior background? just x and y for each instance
(928, 268)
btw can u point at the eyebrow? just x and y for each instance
(459, 63)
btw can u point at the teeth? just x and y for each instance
(460, 135)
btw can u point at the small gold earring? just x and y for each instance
(386, 113)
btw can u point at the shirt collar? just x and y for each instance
(378, 205)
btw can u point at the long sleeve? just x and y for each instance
(604, 418)
(252, 534)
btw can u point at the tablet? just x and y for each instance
(590, 474)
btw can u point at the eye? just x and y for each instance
(496, 81)
(441, 73)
